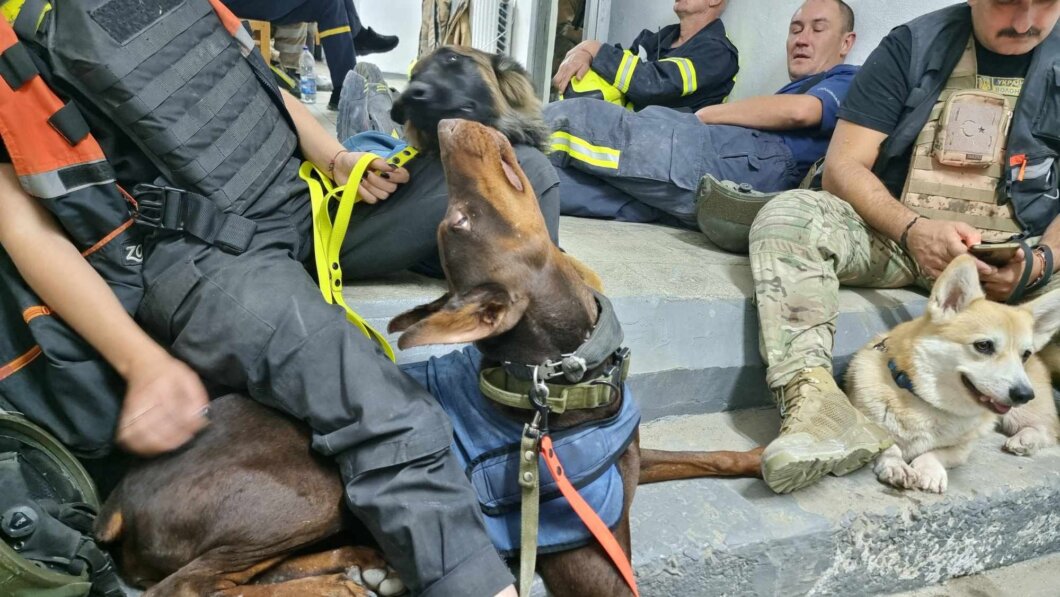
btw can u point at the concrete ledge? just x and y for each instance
(843, 536)
(685, 308)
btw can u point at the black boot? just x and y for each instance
(368, 41)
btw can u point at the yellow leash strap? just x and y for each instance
(328, 235)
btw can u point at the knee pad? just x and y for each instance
(725, 211)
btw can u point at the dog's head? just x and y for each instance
(971, 352)
(461, 82)
(511, 290)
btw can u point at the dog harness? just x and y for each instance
(901, 379)
(584, 499)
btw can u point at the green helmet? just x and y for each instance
(725, 211)
(47, 506)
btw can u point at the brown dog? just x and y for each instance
(248, 494)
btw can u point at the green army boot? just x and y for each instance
(821, 433)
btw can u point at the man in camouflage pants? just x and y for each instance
(805, 244)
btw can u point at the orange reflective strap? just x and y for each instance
(14, 366)
(35, 146)
(229, 20)
(588, 516)
(34, 312)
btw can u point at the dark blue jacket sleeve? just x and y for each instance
(707, 63)
(831, 91)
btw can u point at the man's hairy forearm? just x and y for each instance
(856, 184)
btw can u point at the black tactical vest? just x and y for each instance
(1031, 169)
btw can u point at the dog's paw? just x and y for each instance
(932, 475)
(1027, 441)
(898, 474)
(385, 582)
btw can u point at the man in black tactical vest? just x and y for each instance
(169, 92)
(949, 137)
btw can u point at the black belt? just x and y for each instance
(177, 210)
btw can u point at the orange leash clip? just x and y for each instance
(588, 516)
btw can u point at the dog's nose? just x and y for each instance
(420, 92)
(1020, 394)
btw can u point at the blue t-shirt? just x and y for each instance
(810, 144)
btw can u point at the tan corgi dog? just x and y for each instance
(942, 380)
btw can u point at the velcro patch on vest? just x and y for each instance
(125, 19)
(1008, 86)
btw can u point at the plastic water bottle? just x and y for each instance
(307, 76)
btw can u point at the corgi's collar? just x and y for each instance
(900, 378)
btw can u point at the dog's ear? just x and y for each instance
(481, 312)
(955, 289)
(514, 83)
(416, 314)
(1046, 313)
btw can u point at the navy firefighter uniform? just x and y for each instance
(652, 160)
(700, 72)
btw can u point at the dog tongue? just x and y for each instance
(994, 406)
(1000, 408)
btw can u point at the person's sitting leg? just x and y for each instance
(401, 232)
(803, 246)
(625, 150)
(258, 321)
(586, 196)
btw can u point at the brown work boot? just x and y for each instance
(821, 433)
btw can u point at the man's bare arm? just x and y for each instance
(164, 398)
(848, 175)
(768, 112)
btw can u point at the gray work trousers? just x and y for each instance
(257, 322)
(657, 156)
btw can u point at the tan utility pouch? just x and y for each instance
(972, 129)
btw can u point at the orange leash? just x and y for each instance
(588, 515)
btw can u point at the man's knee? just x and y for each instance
(792, 216)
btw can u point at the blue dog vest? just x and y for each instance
(487, 446)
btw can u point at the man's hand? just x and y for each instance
(165, 406)
(935, 243)
(380, 180)
(999, 284)
(576, 64)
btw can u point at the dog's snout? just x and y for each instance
(420, 92)
(1020, 394)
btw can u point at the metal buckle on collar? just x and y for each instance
(159, 207)
(615, 370)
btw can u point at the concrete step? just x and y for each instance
(685, 307)
(842, 536)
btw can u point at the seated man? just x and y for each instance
(886, 171)
(224, 262)
(652, 160)
(341, 32)
(687, 66)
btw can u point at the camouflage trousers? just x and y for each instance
(804, 245)
(289, 41)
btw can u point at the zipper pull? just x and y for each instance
(1021, 161)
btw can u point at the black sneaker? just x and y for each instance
(367, 41)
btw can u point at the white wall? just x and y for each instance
(759, 29)
(393, 17)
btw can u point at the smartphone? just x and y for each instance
(995, 253)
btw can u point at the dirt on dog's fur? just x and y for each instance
(461, 82)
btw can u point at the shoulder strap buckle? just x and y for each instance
(159, 207)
